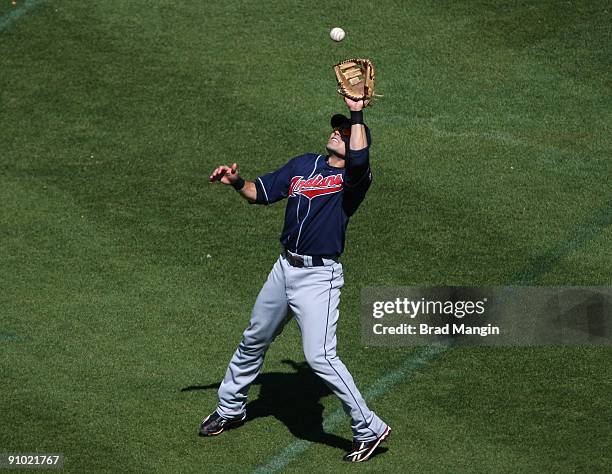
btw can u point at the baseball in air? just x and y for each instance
(337, 34)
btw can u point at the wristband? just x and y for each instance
(357, 117)
(239, 184)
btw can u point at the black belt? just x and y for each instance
(298, 261)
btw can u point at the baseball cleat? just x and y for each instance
(361, 451)
(215, 424)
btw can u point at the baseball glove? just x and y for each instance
(356, 79)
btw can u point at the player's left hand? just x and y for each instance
(225, 174)
(354, 105)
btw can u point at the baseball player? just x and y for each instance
(323, 192)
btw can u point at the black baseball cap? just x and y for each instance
(342, 122)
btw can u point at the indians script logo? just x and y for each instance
(317, 186)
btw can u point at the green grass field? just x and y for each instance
(126, 279)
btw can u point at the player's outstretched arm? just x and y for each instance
(229, 175)
(358, 156)
(358, 134)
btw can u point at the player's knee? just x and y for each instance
(253, 343)
(316, 360)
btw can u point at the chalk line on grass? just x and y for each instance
(586, 231)
(18, 11)
(582, 234)
(383, 385)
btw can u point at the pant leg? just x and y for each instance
(314, 299)
(267, 320)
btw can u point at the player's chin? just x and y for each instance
(332, 150)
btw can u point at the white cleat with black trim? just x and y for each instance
(362, 450)
(215, 424)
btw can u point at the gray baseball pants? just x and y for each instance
(313, 295)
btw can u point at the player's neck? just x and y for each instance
(335, 161)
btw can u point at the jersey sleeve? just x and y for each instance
(274, 186)
(358, 180)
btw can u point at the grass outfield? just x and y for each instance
(126, 279)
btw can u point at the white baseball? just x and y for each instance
(337, 34)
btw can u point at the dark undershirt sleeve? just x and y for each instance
(357, 166)
(358, 180)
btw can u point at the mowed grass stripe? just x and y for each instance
(122, 107)
(9, 18)
(590, 229)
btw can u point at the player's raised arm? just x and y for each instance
(229, 175)
(358, 153)
(358, 139)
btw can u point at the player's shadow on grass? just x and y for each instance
(294, 399)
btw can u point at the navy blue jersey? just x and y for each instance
(321, 199)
